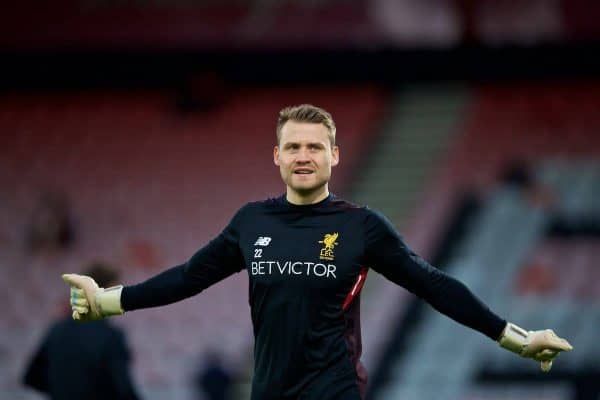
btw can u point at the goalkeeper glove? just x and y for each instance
(543, 346)
(90, 302)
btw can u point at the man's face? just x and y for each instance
(305, 157)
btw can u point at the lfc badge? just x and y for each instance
(329, 242)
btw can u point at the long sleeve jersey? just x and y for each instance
(306, 265)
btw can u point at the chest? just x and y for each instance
(314, 252)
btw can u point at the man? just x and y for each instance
(83, 361)
(307, 254)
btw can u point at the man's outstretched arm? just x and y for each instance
(214, 262)
(387, 253)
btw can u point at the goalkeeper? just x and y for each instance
(307, 254)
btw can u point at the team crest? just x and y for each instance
(329, 242)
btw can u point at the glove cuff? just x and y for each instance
(513, 338)
(108, 301)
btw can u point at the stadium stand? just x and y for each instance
(147, 186)
(143, 183)
(504, 123)
(418, 127)
(552, 128)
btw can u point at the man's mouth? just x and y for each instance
(303, 171)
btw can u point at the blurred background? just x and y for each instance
(131, 131)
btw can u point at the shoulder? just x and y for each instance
(376, 222)
(345, 205)
(366, 213)
(268, 203)
(260, 204)
(250, 210)
(113, 335)
(107, 329)
(372, 214)
(254, 207)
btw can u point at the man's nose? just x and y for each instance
(303, 155)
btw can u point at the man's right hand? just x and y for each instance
(90, 302)
(543, 346)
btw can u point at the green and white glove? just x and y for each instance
(543, 346)
(90, 302)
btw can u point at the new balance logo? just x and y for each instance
(263, 241)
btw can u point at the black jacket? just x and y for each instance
(82, 361)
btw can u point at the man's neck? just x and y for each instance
(298, 199)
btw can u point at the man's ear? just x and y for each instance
(276, 155)
(335, 156)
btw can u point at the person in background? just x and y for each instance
(214, 379)
(83, 361)
(51, 225)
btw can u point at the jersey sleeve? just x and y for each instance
(217, 260)
(386, 253)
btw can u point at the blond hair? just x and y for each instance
(306, 113)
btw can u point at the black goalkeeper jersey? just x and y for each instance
(306, 265)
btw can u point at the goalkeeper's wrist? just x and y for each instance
(513, 338)
(108, 301)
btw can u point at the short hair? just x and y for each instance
(306, 113)
(103, 273)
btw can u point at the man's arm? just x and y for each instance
(211, 264)
(387, 254)
(214, 262)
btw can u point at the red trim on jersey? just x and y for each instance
(360, 281)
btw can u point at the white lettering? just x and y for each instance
(294, 270)
(308, 265)
(284, 267)
(317, 273)
(331, 270)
